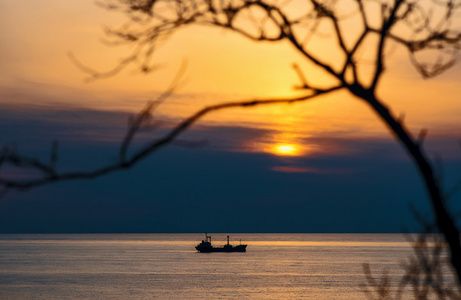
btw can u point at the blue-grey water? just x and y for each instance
(167, 266)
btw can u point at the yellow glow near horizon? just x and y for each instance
(286, 142)
(222, 66)
(286, 149)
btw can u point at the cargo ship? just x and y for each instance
(206, 246)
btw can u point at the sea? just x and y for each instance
(167, 266)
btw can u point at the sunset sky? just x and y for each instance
(327, 165)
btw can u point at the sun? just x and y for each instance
(286, 149)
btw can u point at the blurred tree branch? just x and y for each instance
(428, 30)
(425, 274)
(10, 155)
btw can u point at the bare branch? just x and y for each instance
(93, 74)
(127, 162)
(387, 25)
(152, 22)
(422, 136)
(302, 78)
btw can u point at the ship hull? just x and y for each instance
(239, 248)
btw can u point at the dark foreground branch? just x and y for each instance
(444, 220)
(51, 175)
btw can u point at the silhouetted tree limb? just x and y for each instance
(50, 174)
(425, 30)
(417, 26)
(425, 272)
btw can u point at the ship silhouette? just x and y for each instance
(206, 246)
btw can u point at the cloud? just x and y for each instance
(293, 169)
(362, 185)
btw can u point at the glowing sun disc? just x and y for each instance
(286, 149)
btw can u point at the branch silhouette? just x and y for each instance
(419, 27)
(153, 21)
(50, 174)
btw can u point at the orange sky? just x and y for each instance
(36, 37)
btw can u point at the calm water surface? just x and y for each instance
(166, 266)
